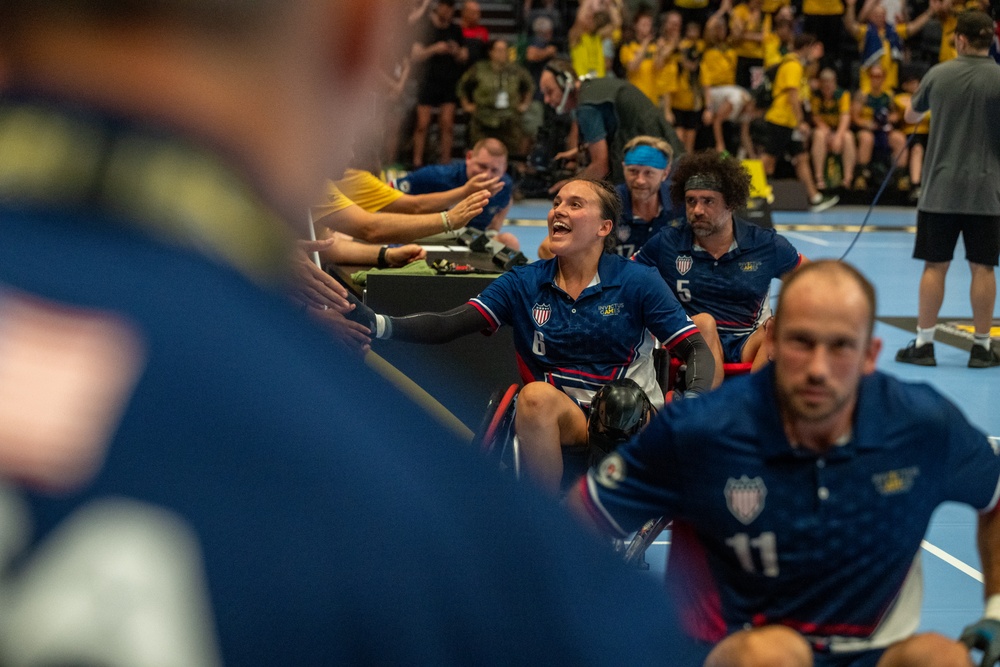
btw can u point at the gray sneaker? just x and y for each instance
(921, 356)
(980, 357)
(825, 202)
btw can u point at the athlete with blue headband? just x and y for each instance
(646, 156)
(645, 195)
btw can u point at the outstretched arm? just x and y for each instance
(400, 227)
(431, 328)
(433, 202)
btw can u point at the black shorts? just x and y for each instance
(434, 92)
(687, 120)
(919, 140)
(778, 141)
(937, 234)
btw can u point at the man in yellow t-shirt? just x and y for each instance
(639, 57)
(778, 39)
(785, 121)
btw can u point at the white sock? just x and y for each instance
(925, 336)
(981, 339)
(816, 198)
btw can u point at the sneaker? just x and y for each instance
(921, 356)
(823, 202)
(980, 357)
(915, 193)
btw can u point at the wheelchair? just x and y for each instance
(619, 410)
(497, 440)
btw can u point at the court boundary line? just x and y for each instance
(958, 564)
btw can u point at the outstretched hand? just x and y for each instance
(403, 255)
(352, 335)
(464, 211)
(484, 182)
(984, 635)
(314, 287)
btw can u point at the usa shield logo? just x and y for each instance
(683, 263)
(541, 313)
(623, 232)
(745, 498)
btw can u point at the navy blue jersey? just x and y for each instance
(442, 177)
(633, 231)
(733, 289)
(579, 346)
(336, 522)
(769, 533)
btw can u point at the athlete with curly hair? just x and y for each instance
(719, 267)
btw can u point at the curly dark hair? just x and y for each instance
(726, 169)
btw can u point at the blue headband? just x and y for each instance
(646, 156)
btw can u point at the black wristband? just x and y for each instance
(382, 263)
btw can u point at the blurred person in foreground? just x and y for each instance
(209, 481)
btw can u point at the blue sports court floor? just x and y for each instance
(952, 579)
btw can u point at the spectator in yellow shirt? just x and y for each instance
(880, 41)
(874, 117)
(778, 37)
(831, 116)
(668, 54)
(786, 124)
(685, 94)
(640, 54)
(724, 99)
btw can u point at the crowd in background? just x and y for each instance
(703, 62)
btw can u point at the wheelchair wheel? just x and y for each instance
(495, 436)
(643, 538)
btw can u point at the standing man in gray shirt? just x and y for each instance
(961, 192)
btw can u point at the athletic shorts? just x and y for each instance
(688, 120)
(780, 141)
(732, 347)
(434, 92)
(919, 140)
(937, 234)
(736, 96)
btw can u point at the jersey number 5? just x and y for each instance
(683, 293)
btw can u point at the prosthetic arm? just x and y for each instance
(697, 356)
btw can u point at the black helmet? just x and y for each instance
(618, 411)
